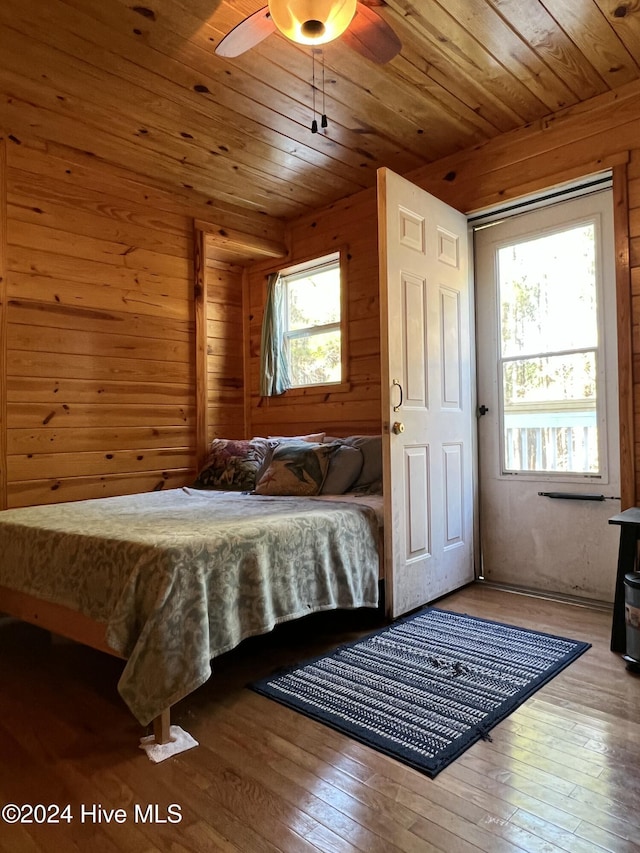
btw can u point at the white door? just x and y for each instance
(425, 302)
(546, 331)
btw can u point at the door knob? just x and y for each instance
(397, 428)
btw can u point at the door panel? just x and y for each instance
(417, 480)
(454, 490)
(414, 368)
(547, 371)
(426, 367)
(450, 346)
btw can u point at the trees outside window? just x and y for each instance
(313, 336)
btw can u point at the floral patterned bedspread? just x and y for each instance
(183, 575)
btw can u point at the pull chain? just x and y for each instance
(324, 121)
(314, 123)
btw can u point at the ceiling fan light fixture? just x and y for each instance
(312, 21)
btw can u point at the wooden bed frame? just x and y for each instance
(80, 628)
(74, 626)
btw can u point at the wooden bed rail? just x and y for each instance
(74, 626)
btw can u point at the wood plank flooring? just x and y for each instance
(562, 773)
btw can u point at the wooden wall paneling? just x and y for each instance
(127, 369)
(246, 355)
(36, 440)
(81, 246)
(54, 490)
(65, 283)
(29, 466)
(225, 346)
(227, 252)
(345, 317)
(625, 337)
(225, 243)
(99, 337)
(326, 413)
(201, 368)
(57, 338)
(633, 174)
(24, 389)
(351, 226)
(3, 324)
(65, 415)
(30, 202)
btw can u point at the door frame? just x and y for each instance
(523, 531)
(625, 336)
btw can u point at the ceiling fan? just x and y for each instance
(317, 22)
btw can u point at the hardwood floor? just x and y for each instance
(562, 773)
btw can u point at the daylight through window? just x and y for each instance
(550, 353)
(312, 322)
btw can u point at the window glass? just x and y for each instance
(549, 353)
(313, 332)
(548, 293)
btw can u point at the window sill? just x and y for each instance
(313, 390)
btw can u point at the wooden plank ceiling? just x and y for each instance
(137, 84)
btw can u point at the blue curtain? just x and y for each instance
(274, 368)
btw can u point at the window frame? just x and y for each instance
(300, 270)
(602, 476)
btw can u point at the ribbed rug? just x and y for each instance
(427, 687)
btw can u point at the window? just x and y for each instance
(312, 322)
(550, 353)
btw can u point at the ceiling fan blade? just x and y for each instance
(247, 34)
(372, 37)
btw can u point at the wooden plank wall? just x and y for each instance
(100, 352)
(225, 349)
(579, 141)
(3, 324)
(223, 256)
(98, 327)
(100, 360)
(351, 225)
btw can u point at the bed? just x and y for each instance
(169, 580)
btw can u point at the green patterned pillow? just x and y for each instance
(296, 468)
(233, 464)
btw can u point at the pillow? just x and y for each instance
(296, 468)
(314, 437)
(345, 466)
(274, 441)
(374, 488)
(232, 464)
(371, 449)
